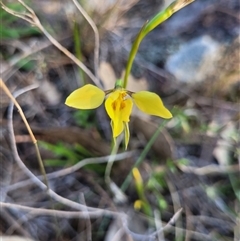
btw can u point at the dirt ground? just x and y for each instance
(186, 184)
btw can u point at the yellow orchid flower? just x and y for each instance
(118, 105)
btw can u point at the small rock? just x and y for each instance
(195, 60)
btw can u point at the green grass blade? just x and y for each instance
(143, 155)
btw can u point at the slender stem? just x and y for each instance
(142, 156)
(132, 55)
(77, 45)
(111, 160)
(158, 19)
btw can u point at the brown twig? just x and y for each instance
(176, 206)
(13, 223)
(88, 222)
(58, 213)
(74, 168)
(152, 236)
(6, 90)
(209, 169)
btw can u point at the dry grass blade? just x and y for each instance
(209, 169)
(25, 16)
(180, 4)
(176, 206)
(72, 169)
(34, 20)
(88, 222)
(58, 213)
(153, 236)
(6, 90)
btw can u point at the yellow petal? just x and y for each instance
(127, 110)
(137, 176)
(108, 104)
(150, 103)
(115, 94)
(127, 134)
(114, 138)
(86, 97)
(138, 204)
(117, 127)
(119, 110)
(112, 106)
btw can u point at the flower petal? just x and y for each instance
(126, 110)
(127, 134)
(109, 104)
(114, 113)
(119, 108)
(86, 97)
(150, 103)
(117, 127)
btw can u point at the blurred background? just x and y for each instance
(192, 61)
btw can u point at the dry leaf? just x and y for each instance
(107, 75)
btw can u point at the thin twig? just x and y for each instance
(74, 168)
(19, 222)
(88, 222)
(25, 16)
(176, 205)
(88, 214)
(158, 224)
(6, 90)
(57, 213)
(209, 169)
(171, 222)
(152, 236)
(70, 55)
(14, 224)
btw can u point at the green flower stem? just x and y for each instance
(142, 156)
(147, 208)
(132, 55)
(77, 46)
(148, 27)
(158, 19)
